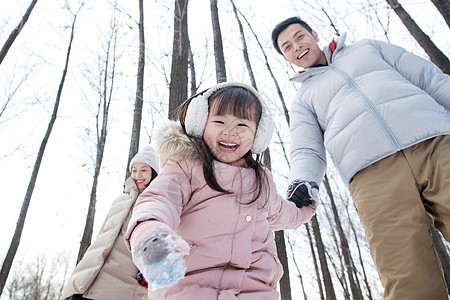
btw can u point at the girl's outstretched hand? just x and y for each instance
(158, 252)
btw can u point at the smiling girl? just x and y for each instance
(215, 201)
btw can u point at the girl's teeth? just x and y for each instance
(227, 145)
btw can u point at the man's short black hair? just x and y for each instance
(282, 26)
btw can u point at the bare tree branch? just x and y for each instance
(16, 31)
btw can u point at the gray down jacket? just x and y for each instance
(372, 100)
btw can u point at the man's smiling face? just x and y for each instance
(299, 46)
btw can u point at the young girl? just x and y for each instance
(106, 270)
(215, 201)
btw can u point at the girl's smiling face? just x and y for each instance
(228, 137)
(141, 173)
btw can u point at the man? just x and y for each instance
(382, 113)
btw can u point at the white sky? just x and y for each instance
(56, 216)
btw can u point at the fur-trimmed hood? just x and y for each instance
(170, 142)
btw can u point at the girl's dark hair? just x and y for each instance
(239, 102)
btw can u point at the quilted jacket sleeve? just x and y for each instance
(163, 199)
(308, 159)
(284, 214)
(421, 72)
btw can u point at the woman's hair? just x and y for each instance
(243, 104)
(154, 174)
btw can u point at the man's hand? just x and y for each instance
(303, 193)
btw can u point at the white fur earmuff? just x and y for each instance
(197, 115)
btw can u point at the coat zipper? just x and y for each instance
(371, 107)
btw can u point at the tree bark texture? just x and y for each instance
(442, 253)
(221, 75)
(361, 261)
(179, 74)
(316, 265)
(285, 285)
(329, 289)
(191, 65)
(349, 265)
(12, 37)
(139, 101)
(285, 282)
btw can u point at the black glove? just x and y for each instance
(303, 193)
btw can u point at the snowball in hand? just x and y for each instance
(164, 265)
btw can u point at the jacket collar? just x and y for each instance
(330, 52)
(334, 47)
(170, 142)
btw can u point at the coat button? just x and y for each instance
(248, 218)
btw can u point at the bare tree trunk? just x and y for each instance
(316, 266)
(7, 263)
(191, 65)
(329, 289)
(280, 94)
(366, 281)
(436, 55)
(244, 47)
(16, 31)
(178, 74)
(103, 105)
(285, 285)
(300, 277)
(285, 282)
(221, 74)
(442, 253)
(340, 270)
(443, 6)
(139, 102)
(351, 272)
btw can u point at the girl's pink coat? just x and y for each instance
(233, 253)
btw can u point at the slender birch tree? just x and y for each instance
(12, 37)
(8, 261)
(107, 66)
(352, 275)
(180, 56)
(139, 101)
(221, 74)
